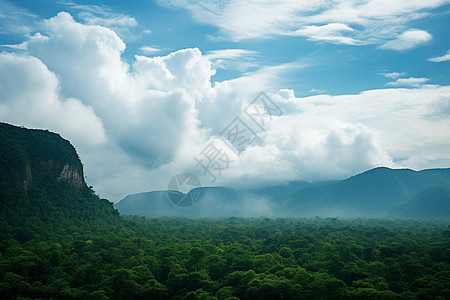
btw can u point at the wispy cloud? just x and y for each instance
(408, 40)
(239, 59)
(445, 57)
(329, 33)
(318, 91)
(15, 20)
(377, 21)
(150, 50)
(229, 53)
(393, 75)
(411, 81)
(22, 46)
(108, 20)
(124, 25)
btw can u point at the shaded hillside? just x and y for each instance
(433, 201)
(380, 192)
(373, 193)
(41, 176)
(209, 201)
(147, 204)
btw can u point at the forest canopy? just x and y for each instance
(227, 258)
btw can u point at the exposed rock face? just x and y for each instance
(41, 176)
(26, 185)
(71, 176)
(33, 157)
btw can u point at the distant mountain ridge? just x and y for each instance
(379, 192)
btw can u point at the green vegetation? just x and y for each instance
(59, 240)
(33, 183)
(178, 258)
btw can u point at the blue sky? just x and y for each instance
(142, 87)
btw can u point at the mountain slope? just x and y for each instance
(433, 201)
(209, 202)
(380, 192)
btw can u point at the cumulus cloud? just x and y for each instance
(379, 111)
(408, 40)
(445, 57)
(30, 97)
(142, 110)
(325, 137)
(308, 147)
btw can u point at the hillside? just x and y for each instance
(41, 176)
(210, 202)
(434, 201)
(380, 192)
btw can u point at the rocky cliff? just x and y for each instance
(29, 157)
(42, 176)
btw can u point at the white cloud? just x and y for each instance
(376, 20)
(147, 50)
(144, 110)
(30, 98)
(408, 40)
(239, 59)
(318, 91)
(331, 33)
(325, 137)
(135, 126)
(110, 21)
(411, 81)
(14, 19)
(309, 146)
(123, 25)
(396, 123)
(445, 57)
(20, 47)
(229, 53)
(393, 75)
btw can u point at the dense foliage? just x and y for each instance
(31, 194)
(33, 155)
(229, 258)
(59, 240)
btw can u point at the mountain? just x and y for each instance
(208, 201)
(433, 201)
(41, 176)
(146, 204)
(379, 192)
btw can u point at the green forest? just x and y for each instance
(227, 258)
(59, 240)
